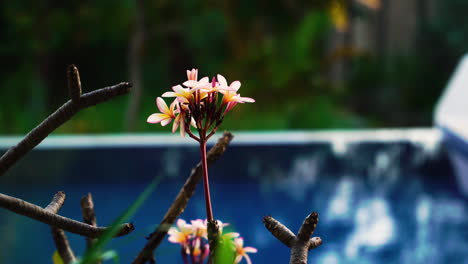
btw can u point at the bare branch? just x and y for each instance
(180, 202)
(60, 239)
(315, 242)
(300, 244)
(280, 231)
(89, 217)
(56, 203)
(62, 245)
(308, 227)
(60, 116)
(74, 83)
(35, 212)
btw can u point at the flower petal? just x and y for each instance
(156, 118)
(190, 83)
(204, 80)
(247, 100)
(250, 250)
(222, 80)
(169, 94)
(238, 258)
(247, 258)
(173, 106)
(182, 128)
(175, 125)
(162, 106)
(166, 121)
(235, 85)
(200, 85)
(239, 242)
(181, 223)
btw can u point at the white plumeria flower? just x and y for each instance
(166, 115)
(192, 81)
(241, 251)
(181, 233)
(199, 228)
(193, 74)
(183, 95)
(230, 95)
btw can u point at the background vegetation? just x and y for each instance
(282, 51)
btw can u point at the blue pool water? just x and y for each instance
(385, 197)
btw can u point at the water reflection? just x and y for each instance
(382, 201)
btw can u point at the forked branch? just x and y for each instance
(300, 244)
(38, 213)
(60, 116)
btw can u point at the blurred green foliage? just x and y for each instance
(279, 50)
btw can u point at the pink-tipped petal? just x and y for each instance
(162, 106)
(175, 125)
(222, 80)
(200, 85)
(250, 250)
(178, 89)
(204, 80)
(182, 100)
(190, 83)
(239, 242)
(172, 231)
(247, 99)
(166, 121)
(235, 85)
(181, 223)
(156, 118)
(247, 258)
(169, 94)
(182, 128)
(173, 105)
(238, 259)
(230, 105)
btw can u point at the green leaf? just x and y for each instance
(94, 253)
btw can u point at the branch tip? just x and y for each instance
(74, 83)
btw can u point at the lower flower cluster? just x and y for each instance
(193, 239)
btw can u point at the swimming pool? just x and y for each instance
(384, 196)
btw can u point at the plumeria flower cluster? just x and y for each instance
(193, 239)
(201, 103)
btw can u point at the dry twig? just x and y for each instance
(89, 217)
(38, 213)
(300, 244)
(60, 116)
(60, 239)
(179, 204)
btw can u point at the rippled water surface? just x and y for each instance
(380, 200)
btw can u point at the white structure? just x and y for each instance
(451, 115)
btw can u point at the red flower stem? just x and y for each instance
(206, 185)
